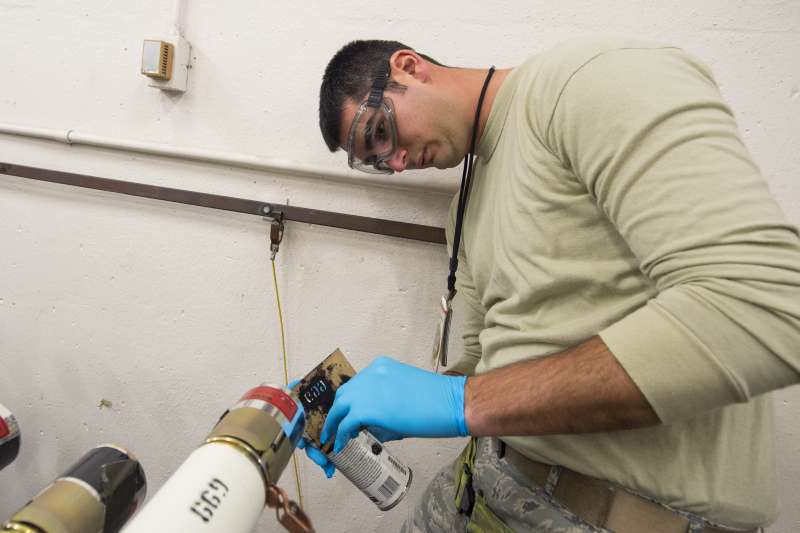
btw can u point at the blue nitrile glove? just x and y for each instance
(312, 452)
(316, 455)
(394, 400)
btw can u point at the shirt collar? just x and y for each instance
(497, 117)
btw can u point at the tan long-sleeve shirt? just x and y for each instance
(613, 195)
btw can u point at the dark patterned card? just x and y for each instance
(317, 391)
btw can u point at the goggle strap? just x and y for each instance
(378, 86)
(375, 96)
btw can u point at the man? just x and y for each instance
(632, 290)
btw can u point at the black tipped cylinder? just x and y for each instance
(100, 492)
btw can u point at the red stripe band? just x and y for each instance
(275, 397)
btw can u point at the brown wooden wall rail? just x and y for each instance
(227, 203)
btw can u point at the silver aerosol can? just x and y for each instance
(365, 461)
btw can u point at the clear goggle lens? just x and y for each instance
(372, 139)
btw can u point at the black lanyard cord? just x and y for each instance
(466, 179)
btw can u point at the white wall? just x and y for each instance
(167, 311)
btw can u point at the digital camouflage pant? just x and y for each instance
(515, 500)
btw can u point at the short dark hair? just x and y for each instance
(349, 75)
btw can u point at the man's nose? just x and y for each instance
(399, 160)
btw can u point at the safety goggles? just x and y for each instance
(372, 138)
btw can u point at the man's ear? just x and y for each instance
(408, 63)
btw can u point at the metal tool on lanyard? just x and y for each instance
(439, 355)
(446, 302)
(275, 231)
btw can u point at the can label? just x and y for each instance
(370, 466)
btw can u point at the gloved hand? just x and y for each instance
(394, 400)
(312, 452)
(316, 455)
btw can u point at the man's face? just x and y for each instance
(427, 133)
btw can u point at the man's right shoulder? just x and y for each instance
(551, 70)
(568, 56)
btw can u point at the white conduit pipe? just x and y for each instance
(270, 165)
(177, 17)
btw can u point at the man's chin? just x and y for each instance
(448, 163)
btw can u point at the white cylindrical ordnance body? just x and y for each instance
(217, 489)
(222, 486)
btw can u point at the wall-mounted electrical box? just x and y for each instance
(157, 59)
(167, 64)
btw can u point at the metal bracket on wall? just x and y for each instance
(276, 228)
(378, 226)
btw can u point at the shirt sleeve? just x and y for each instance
(649, 135)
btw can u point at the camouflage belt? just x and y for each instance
(481, 519)
(604, 505)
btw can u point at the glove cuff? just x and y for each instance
(458, 384)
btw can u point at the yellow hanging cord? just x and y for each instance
(286, 373)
